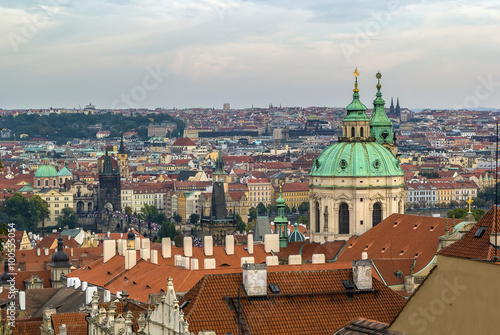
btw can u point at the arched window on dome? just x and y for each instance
(47, 183)
(317, 218)
(361, 132)
(353, 132)
(344, 218)
(377, 214)
(39, 183)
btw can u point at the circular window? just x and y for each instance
(343, 164)
(376, 163)
(385, 134)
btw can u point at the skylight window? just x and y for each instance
(480, 232)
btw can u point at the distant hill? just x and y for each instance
(65, 127)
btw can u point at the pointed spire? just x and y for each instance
(122, 147)
(356, 110)
(380, 125)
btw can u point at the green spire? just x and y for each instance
(380, 125)
(219, 166)
(356, 110)
(281, 221)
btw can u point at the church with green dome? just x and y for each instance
(358, 181)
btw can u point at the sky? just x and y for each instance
(203, 53)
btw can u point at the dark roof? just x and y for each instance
(184, 175)
(361, 326)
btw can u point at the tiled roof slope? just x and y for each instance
(75, 323)
(362, 326)
(400, 236)
(478, 248)
(28, 326)
(311, 302)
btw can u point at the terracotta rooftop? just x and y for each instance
(476, 242)
(310, 302)
(400, 236)
(75, 323)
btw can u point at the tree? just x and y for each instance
(294, 210)
(177, 218)
(253, 213)
(128, 210)
(194, 218)
(478, 213)
(38, 209)
(240, 225)
(250, 226)
(304, 220)
(287, 209)
(179, 240)
(304, 207)
(68, 218)
(261, 209)
(167, 229)
(16, 209)
(458, 213)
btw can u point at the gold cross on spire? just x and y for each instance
(470, 203)
(281, 185)
(356, 74)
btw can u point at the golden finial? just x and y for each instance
(470, 203)
(378, 75)
(356, 74)
(281, 185)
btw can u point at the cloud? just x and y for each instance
(275, 51)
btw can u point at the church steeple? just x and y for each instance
(355, 123)
(380, 125)
(122, 147)
(281, 221)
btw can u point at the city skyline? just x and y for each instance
(117, 54)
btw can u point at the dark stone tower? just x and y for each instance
(109, 186)
(123, 161)
(398, 109)
(218, 224)
(391, 109)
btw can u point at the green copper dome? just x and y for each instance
(296, 235)
(356, 159)
(46, 170)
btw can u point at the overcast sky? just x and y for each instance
(202, 53)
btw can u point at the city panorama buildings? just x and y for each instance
(358, 181)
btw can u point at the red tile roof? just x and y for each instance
(400, 236)
(477, 248)
(75, 322)
(184, 142)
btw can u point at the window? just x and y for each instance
(377, 214)
(361, 132)
(317, 218)
(353, 132)
(344, 219)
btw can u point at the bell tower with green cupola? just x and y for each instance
(380, 125)
(355, 125)
(281, 221)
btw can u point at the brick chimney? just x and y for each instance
(362, 273)
(255, 279)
